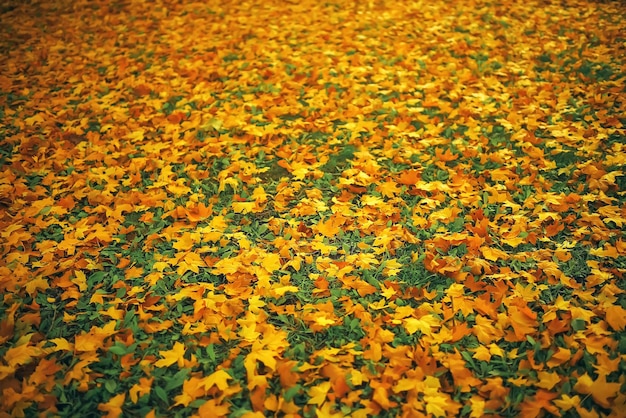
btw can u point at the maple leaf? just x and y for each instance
(523, 320)
(318, 393)
(547, 380)
(271, 262)
(140, 389)
(191, 261)
(192, 390)
(219, 379)
(113, 408)
(36, 284)
(381, 397)
(462, 376)
(175, 355)
(20, 355)
(330, 227)
(616, 317)
(187, 241)
(325, 411)
(482, 353)
(93, 340)
(388, 188)
(80, 280)
(60, 344)
(424, 324)
(601, 390)
(213, 407)
(244, 207)
(437, 403)
(566, 402)
(493, 254)
(409, 177)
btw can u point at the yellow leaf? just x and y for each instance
(255, 304)
(140, 389)
(113, 407)
(387, 292)
(160, 266)
(35, 284)
(388, 188)
(406, 384)
(218, 378)
(61, 344)
(436, 402)
(271, 262)
(20, 355)
(566, 402)
(330, 227)
(80, 280)
(356, 377)
(267, 357)
(38, 118)
(186, 241)
(615, 316)
(561, 356)
(600, 389)
(243, 207)
(482, 353)
(281, 290)
(175, 355)
(249, 333)
(259, 195)
(190, 262)
(412, 325)
(136, 136)
(493, 254)
(495, 350)
(381, 397)
(478, 407)
(547, 380)
(318, 393)
(323, 321)
(424, 324)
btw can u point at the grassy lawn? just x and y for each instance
(312, 209)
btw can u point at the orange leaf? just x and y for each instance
(446, 155)
(601, 390)
(382, 398)
(330, 227)
(213, 408)
(616, 317)
(523, 321)
(409, 177)
(20, 355)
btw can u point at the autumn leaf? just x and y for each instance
(310, 208)
(601, 390)
(20, 355)
(140, 389)
(616, 317)
(218, 379)
(330, 227)
(169, 357)
(113, 408)
(271, 262)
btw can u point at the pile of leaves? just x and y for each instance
(309, 208)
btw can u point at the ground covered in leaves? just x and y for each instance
(316, 209)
